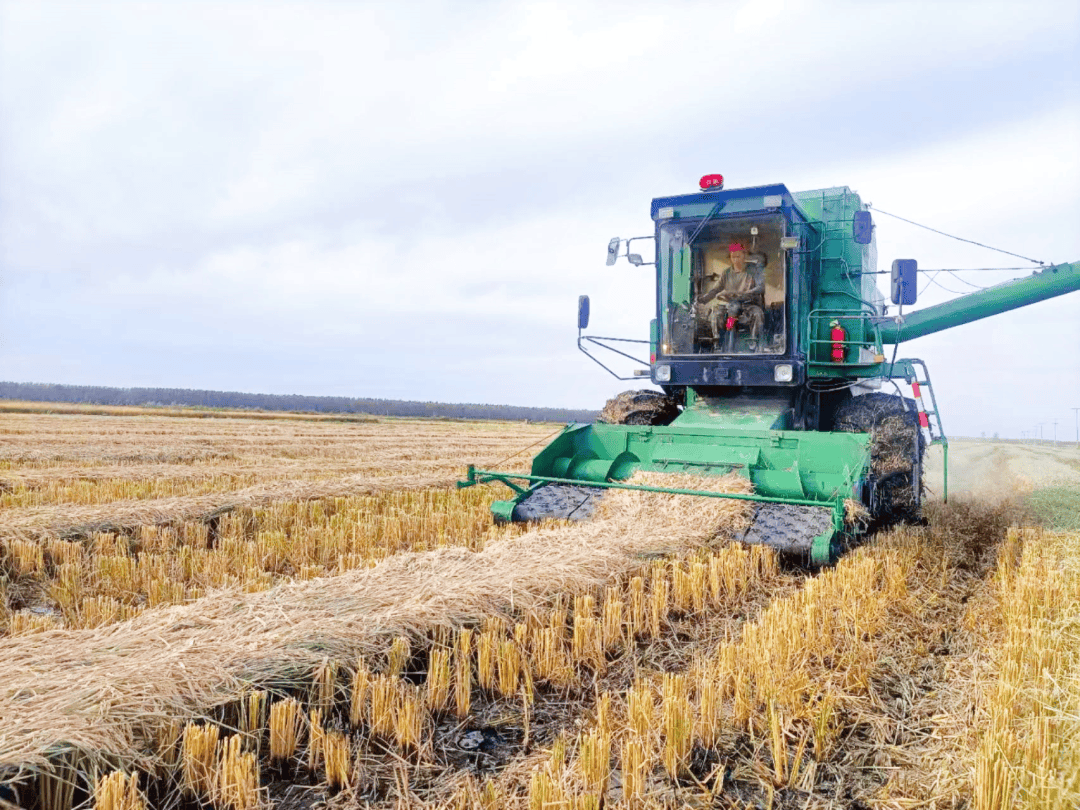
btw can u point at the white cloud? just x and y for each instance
(265, 176)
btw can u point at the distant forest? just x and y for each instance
(100, 395)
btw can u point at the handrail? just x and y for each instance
(834, 313)
(475, 476)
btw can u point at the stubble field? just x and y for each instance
(248, 611)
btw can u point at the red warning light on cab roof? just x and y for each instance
(712, 182)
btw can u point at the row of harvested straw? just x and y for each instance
(111, 577)
(350, 709)
(88, 484)
(32, 444)
(800, 682)
(35, 524)
(106, 692)
(44, 492)
(786, 683)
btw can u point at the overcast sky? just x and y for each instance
(404, 200)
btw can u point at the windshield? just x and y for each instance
(725, 293)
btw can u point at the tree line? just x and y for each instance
(184, 397)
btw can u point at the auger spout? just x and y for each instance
(1039, 286)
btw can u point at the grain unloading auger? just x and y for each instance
(769, 346)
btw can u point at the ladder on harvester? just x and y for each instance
(918, 386)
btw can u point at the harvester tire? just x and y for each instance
(897, 446)
(640, 407)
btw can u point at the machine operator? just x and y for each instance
(737, 291)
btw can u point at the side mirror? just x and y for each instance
(634, 259)
(583, 312)
(904, 281)
(862, 226)
(613, 250)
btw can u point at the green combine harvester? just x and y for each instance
(776, 356)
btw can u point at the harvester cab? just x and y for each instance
(750, 283)
(728, 288)
(769, 350)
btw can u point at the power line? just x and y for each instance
(965, 281)
(968, 269)
(958, 238)
(933, 280)
(955, 270)
(929, 281)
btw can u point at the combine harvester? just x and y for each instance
(769, 343)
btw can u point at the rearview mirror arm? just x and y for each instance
(595, 340)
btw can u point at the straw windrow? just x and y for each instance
(37, 523)
(181, 661)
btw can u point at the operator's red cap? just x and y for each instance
(736, 246)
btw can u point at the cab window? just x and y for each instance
(726, 291)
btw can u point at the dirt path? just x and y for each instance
(987, 468)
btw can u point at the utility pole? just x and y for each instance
(1076, 416)
(1055, 431)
